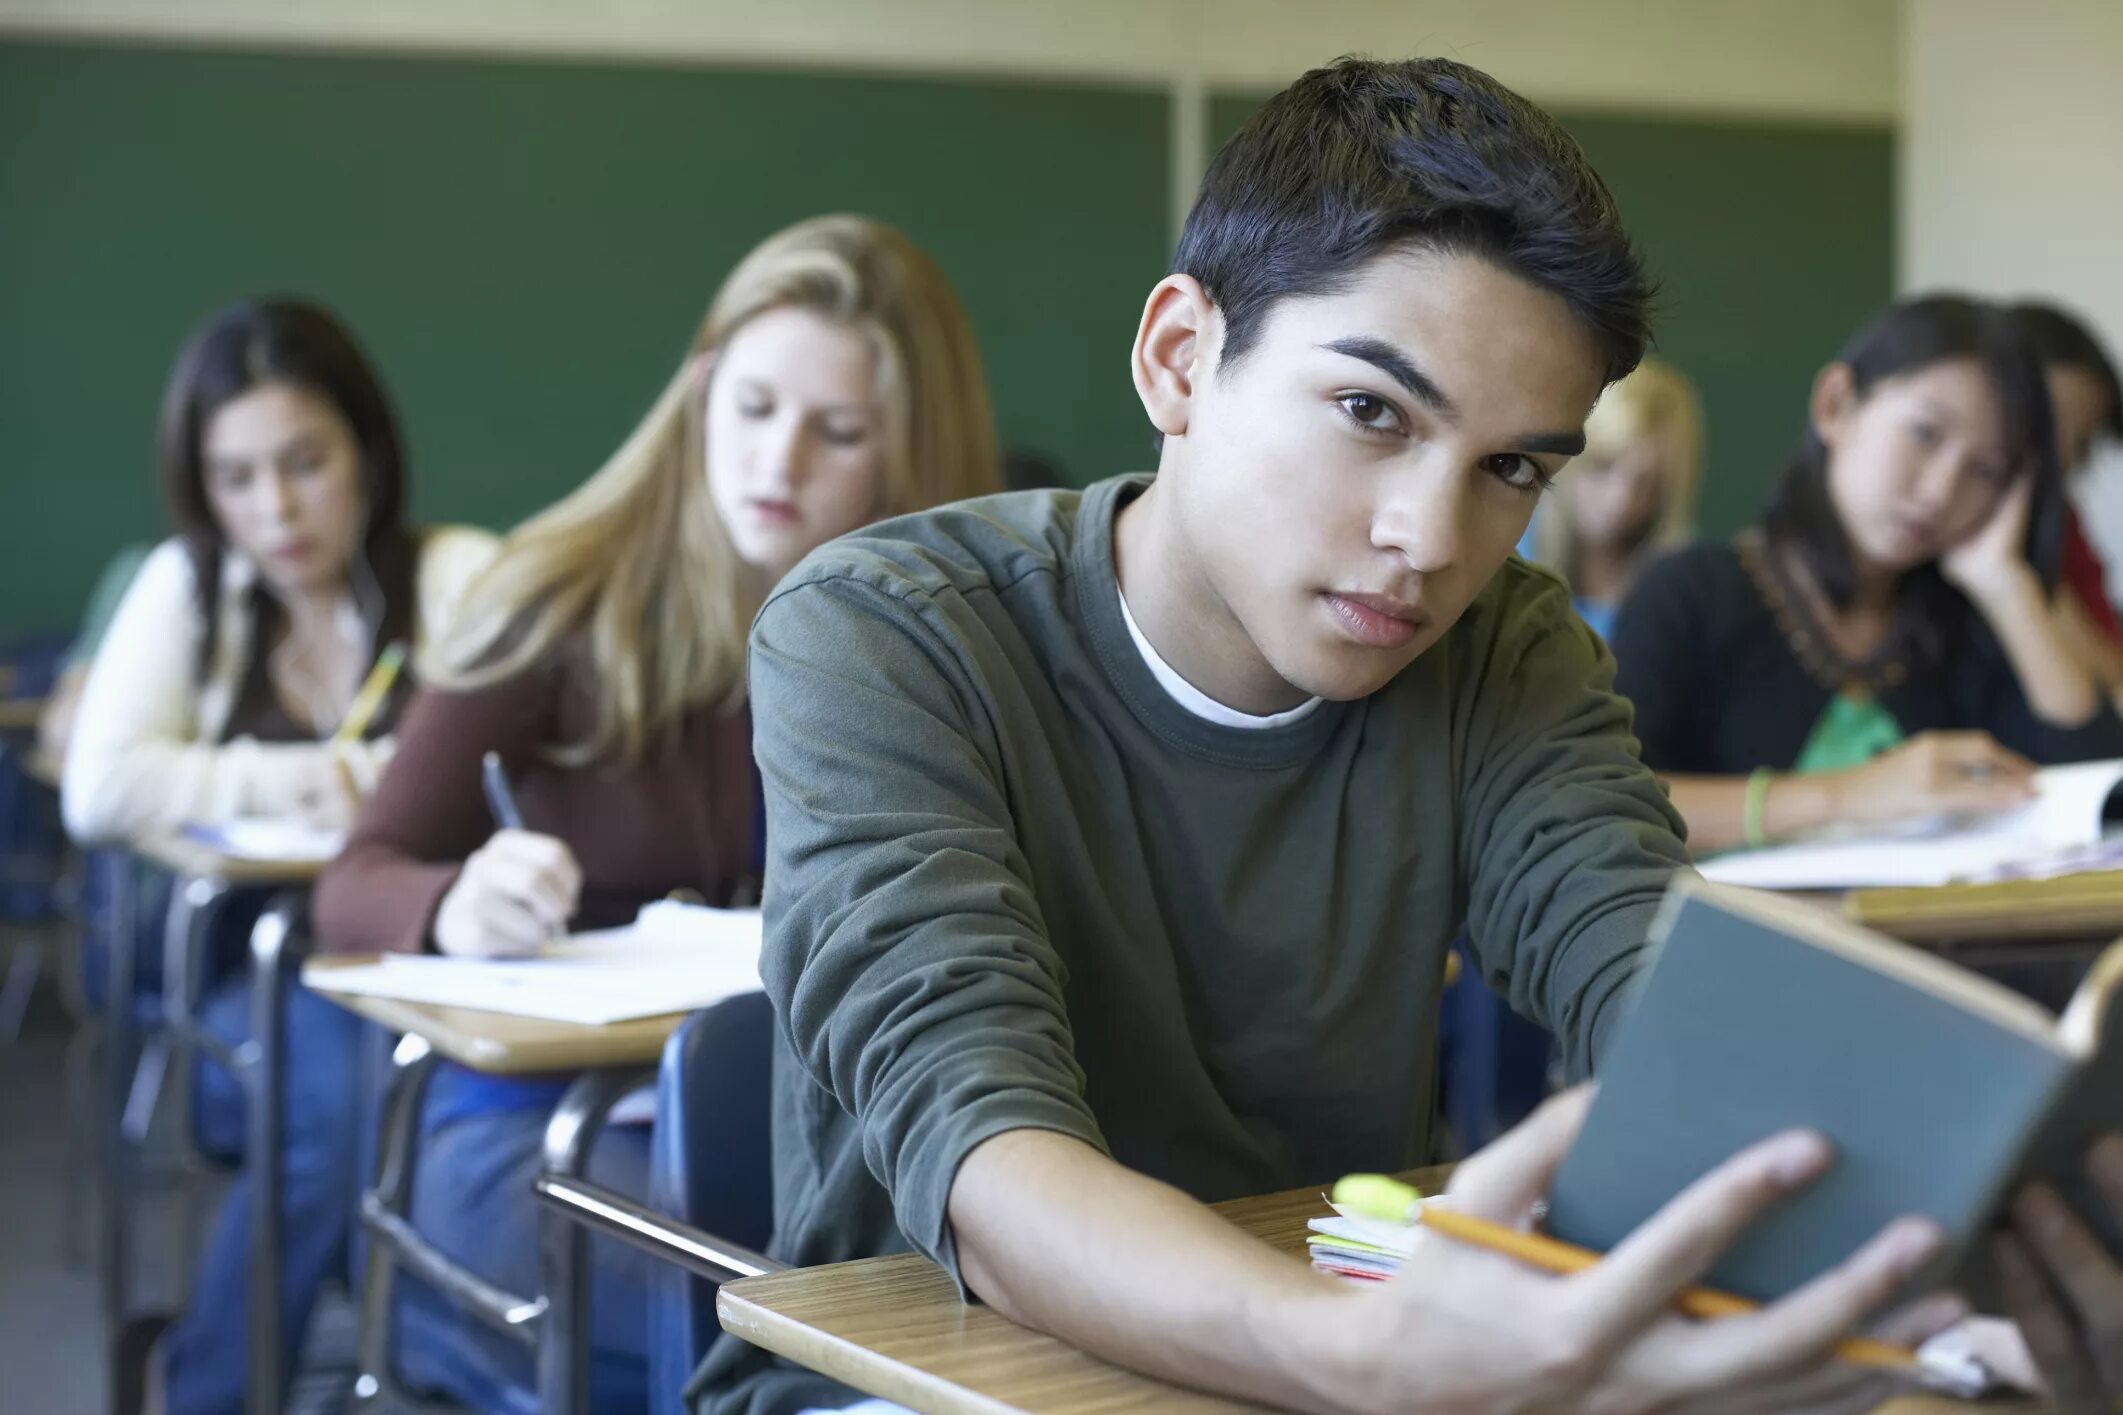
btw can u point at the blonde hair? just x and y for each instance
(631, 583)
(1655, 401)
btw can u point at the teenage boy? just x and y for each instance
(1119, 837)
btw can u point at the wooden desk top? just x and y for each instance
(181, 854)
(500, 1043)
(895, 1328)
(2074, 908)
(20, 714)
(42, 768)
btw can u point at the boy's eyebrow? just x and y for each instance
(1563, 444)
(1397, 366)
(1402, 370)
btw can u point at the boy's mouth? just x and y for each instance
(1376, 621)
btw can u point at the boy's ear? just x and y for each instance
(1174, 348)
(1835, 398)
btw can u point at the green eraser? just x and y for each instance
(1377, 1196)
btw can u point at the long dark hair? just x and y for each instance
(282, 340)
(1911, 335)
(2060, 338)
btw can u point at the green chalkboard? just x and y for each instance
(1771, 243)
(524, 247)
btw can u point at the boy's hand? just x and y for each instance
(1464, 1329)
(2066, 1290)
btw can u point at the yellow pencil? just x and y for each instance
(1369, 1194)
(374, 690)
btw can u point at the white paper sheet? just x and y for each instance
(2065, 816)
(665, 962)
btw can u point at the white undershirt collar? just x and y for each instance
(1196, 701)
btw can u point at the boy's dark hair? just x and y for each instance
(1906, 338)
(2061, 338)
(1365, 156)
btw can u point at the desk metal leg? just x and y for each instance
(23, 967)
(194, 902)
(277, 947)
(564, 1246)
(412, 1062)
(116, 1256)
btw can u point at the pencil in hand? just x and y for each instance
(1382, 1197)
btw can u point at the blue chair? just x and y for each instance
(1495, 1062)
(33, 849)
(710, 1169)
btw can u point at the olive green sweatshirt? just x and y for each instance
(1012, 884)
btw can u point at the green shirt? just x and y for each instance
(1013, 884)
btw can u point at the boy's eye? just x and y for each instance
(1370, 412)
(1517, 470)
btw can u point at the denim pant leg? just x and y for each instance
(208, 1347)
(472, 1199)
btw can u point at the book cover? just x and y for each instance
(1760, 1014)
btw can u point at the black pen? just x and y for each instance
(500, 800)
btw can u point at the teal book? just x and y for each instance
(1940, 1089)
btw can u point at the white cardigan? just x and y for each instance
(146, 754)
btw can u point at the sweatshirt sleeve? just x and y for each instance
(904, 944)
(1567, 841)
(135, 763)
(427, 815)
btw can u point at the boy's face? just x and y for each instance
(1356, 479)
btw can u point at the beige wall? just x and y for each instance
(1834, 60)
(2012, 170)
(2012, 166)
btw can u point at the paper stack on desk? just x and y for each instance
(673, 958)
(2067, 821)
(270, 841)
(1352, 1245)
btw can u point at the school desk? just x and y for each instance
(42, 767)
(895, 1327)
(2036, 936)
(204, 880)
(613, 1060)
(497, 1042)
(2070, 910)
(26, 959)
(20, 714)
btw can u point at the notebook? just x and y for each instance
(673, 958)
(2064, 826)
(276, 841)
(1940, 1089)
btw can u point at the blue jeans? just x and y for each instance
(472, 1199)
(321, 1135)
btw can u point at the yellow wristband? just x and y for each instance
(1753, 820)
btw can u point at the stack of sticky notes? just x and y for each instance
(1352, 1244)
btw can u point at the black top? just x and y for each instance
(1711, 657)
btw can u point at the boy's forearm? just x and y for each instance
(1056, 1236)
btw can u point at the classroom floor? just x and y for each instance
(51, 1333)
